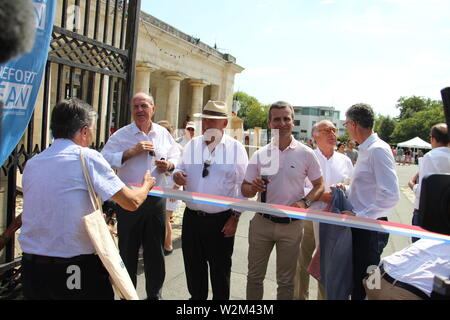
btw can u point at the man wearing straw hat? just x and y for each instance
(213, 163)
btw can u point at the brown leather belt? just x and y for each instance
(403, 285)
(277, 219)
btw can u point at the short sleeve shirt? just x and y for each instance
(56, 197)
(286, 170)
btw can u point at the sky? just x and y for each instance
(324, 52)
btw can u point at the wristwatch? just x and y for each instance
(307, 202)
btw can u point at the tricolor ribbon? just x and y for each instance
(297, 213)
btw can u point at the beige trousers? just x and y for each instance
(388, 291)
(263, 236)
(307, 246)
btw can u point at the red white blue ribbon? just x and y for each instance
(297, 213)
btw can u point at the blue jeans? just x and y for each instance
(367, 249)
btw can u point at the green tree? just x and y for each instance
(384, 126)
(344, 137)
(419, 125)
(410, 105)
(252, 112)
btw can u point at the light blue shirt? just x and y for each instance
(56, 197)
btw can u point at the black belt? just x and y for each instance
(55, 260)
(206, 214)
(403, 285)
(277, 219)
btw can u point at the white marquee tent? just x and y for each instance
(416, 143)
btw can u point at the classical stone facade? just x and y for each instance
(181, 72)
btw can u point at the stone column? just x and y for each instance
(173, 101)
(143, 72)
(197, 96)
(215, 91)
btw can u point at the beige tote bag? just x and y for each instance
(103, 242)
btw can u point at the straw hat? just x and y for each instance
(214, 110)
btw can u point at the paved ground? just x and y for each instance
(175, 283)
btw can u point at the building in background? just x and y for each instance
(306, 117)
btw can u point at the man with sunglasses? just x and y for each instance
(213, 163)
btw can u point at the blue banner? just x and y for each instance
(20, 80)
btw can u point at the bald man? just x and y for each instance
(140, 146)
(336, 169)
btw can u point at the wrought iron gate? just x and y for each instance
(92, 57)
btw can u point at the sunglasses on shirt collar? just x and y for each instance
(206, 165)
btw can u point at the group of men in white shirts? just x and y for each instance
(216, 164)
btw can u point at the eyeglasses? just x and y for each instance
(329, 130)
(206, 165)
(143, 106)
(347, 122)
(190, 129)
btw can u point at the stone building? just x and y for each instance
(181, 72)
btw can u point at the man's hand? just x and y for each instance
(349, 213)
(141, 147)
(163, 165)
(148, 180)
(338, 185)
(180, 178)
(258, 185)
(299, 204)
(230, 227)
(326, 197)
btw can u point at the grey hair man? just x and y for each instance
(374, 190)
(53, 236)
(336, 169)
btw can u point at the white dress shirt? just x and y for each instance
(228, 164)
(337, 169)
(56, 197)
(133, 170)
(374, 191)
(418, 263)
(287, 171)
(434, 162)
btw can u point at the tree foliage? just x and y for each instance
(252, 112)
(409, 106)
(419, 124)
(384, 126)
